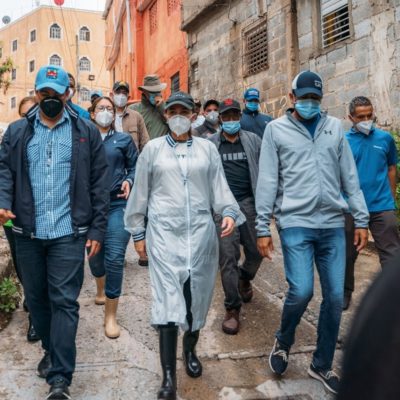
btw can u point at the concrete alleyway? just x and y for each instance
(235, 367)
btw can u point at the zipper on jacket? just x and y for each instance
(188, 225)
(33, 212)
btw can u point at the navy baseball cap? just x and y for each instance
(52, 77)
(307, 82)
(121, 84)
(229, 104)
(252, 94)
(181, 98)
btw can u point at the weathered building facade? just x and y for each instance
(144, 37)
(353, 44)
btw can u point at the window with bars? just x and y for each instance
(13, 102)
(335, 21)
(14, 45)
(31, 65)
(55, 60)
(13, 74)
(175, 83)
(194, 72)
(255, 48)
(84, 34)
(32, 35)
(153, 18)
(84, 94)
(172, 5)
(55, 31)
(84, 64)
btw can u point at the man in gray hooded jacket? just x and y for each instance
(305, 164)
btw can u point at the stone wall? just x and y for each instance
(215, 44)
(365, 64)
(368, 63)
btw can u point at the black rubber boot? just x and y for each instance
(192, 363)
(168, 343)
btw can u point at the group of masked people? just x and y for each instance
(191, 189)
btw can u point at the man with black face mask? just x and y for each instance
(53, 186)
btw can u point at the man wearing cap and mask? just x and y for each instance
(179, 180)
(126, 119)
(151, 106)
(375, 154)
(53, 186)
(239, 151)
(211, 124)
(305, 164)
(252, 119)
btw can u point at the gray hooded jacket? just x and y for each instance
(302, 178)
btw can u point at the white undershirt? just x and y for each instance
(118, 122)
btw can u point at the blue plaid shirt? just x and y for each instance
(49, 158)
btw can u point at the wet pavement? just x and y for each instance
(235, 367)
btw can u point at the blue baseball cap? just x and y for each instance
(307, 82)
(53, 77)
(252, 94)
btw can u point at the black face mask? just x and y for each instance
(51, 106)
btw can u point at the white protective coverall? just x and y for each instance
(181, 239)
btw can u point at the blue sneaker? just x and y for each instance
(328, 378)
(279, 358)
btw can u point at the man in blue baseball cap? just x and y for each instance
(305, 165)
(252, 119)
(53, 185)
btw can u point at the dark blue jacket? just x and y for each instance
(255, 122)
(121, 154)
(89, 189)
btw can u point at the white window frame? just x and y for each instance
(328, 7)
(88, 30)
(55, 38)
(90, 64)
(84, 95)
(61, 60)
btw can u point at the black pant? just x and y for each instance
(52, 271)
(383, 226)
(229, 254)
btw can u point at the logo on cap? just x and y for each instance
(51, 73)
(252, 93)
(122, 83)
(318, 84)
(228, 102)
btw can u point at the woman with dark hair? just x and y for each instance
(107, 266)
(24, 106)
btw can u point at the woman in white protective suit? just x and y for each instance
(179, 182)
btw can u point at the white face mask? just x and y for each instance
(70, 94)
(212, 117)
(104, 118)
(365, 127)
(120, 99)
(179, 124)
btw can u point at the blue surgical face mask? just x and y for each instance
(152, 99)
(231, 127)
(308, 108)
(252, 106)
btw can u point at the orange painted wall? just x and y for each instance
(161, 52)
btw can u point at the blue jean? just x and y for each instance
(110, 259)
(301, 247)
(52, 272)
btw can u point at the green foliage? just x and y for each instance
(5, 68)
(9, 295)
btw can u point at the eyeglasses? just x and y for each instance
(102, 108)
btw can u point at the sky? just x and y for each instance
(16, 8)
